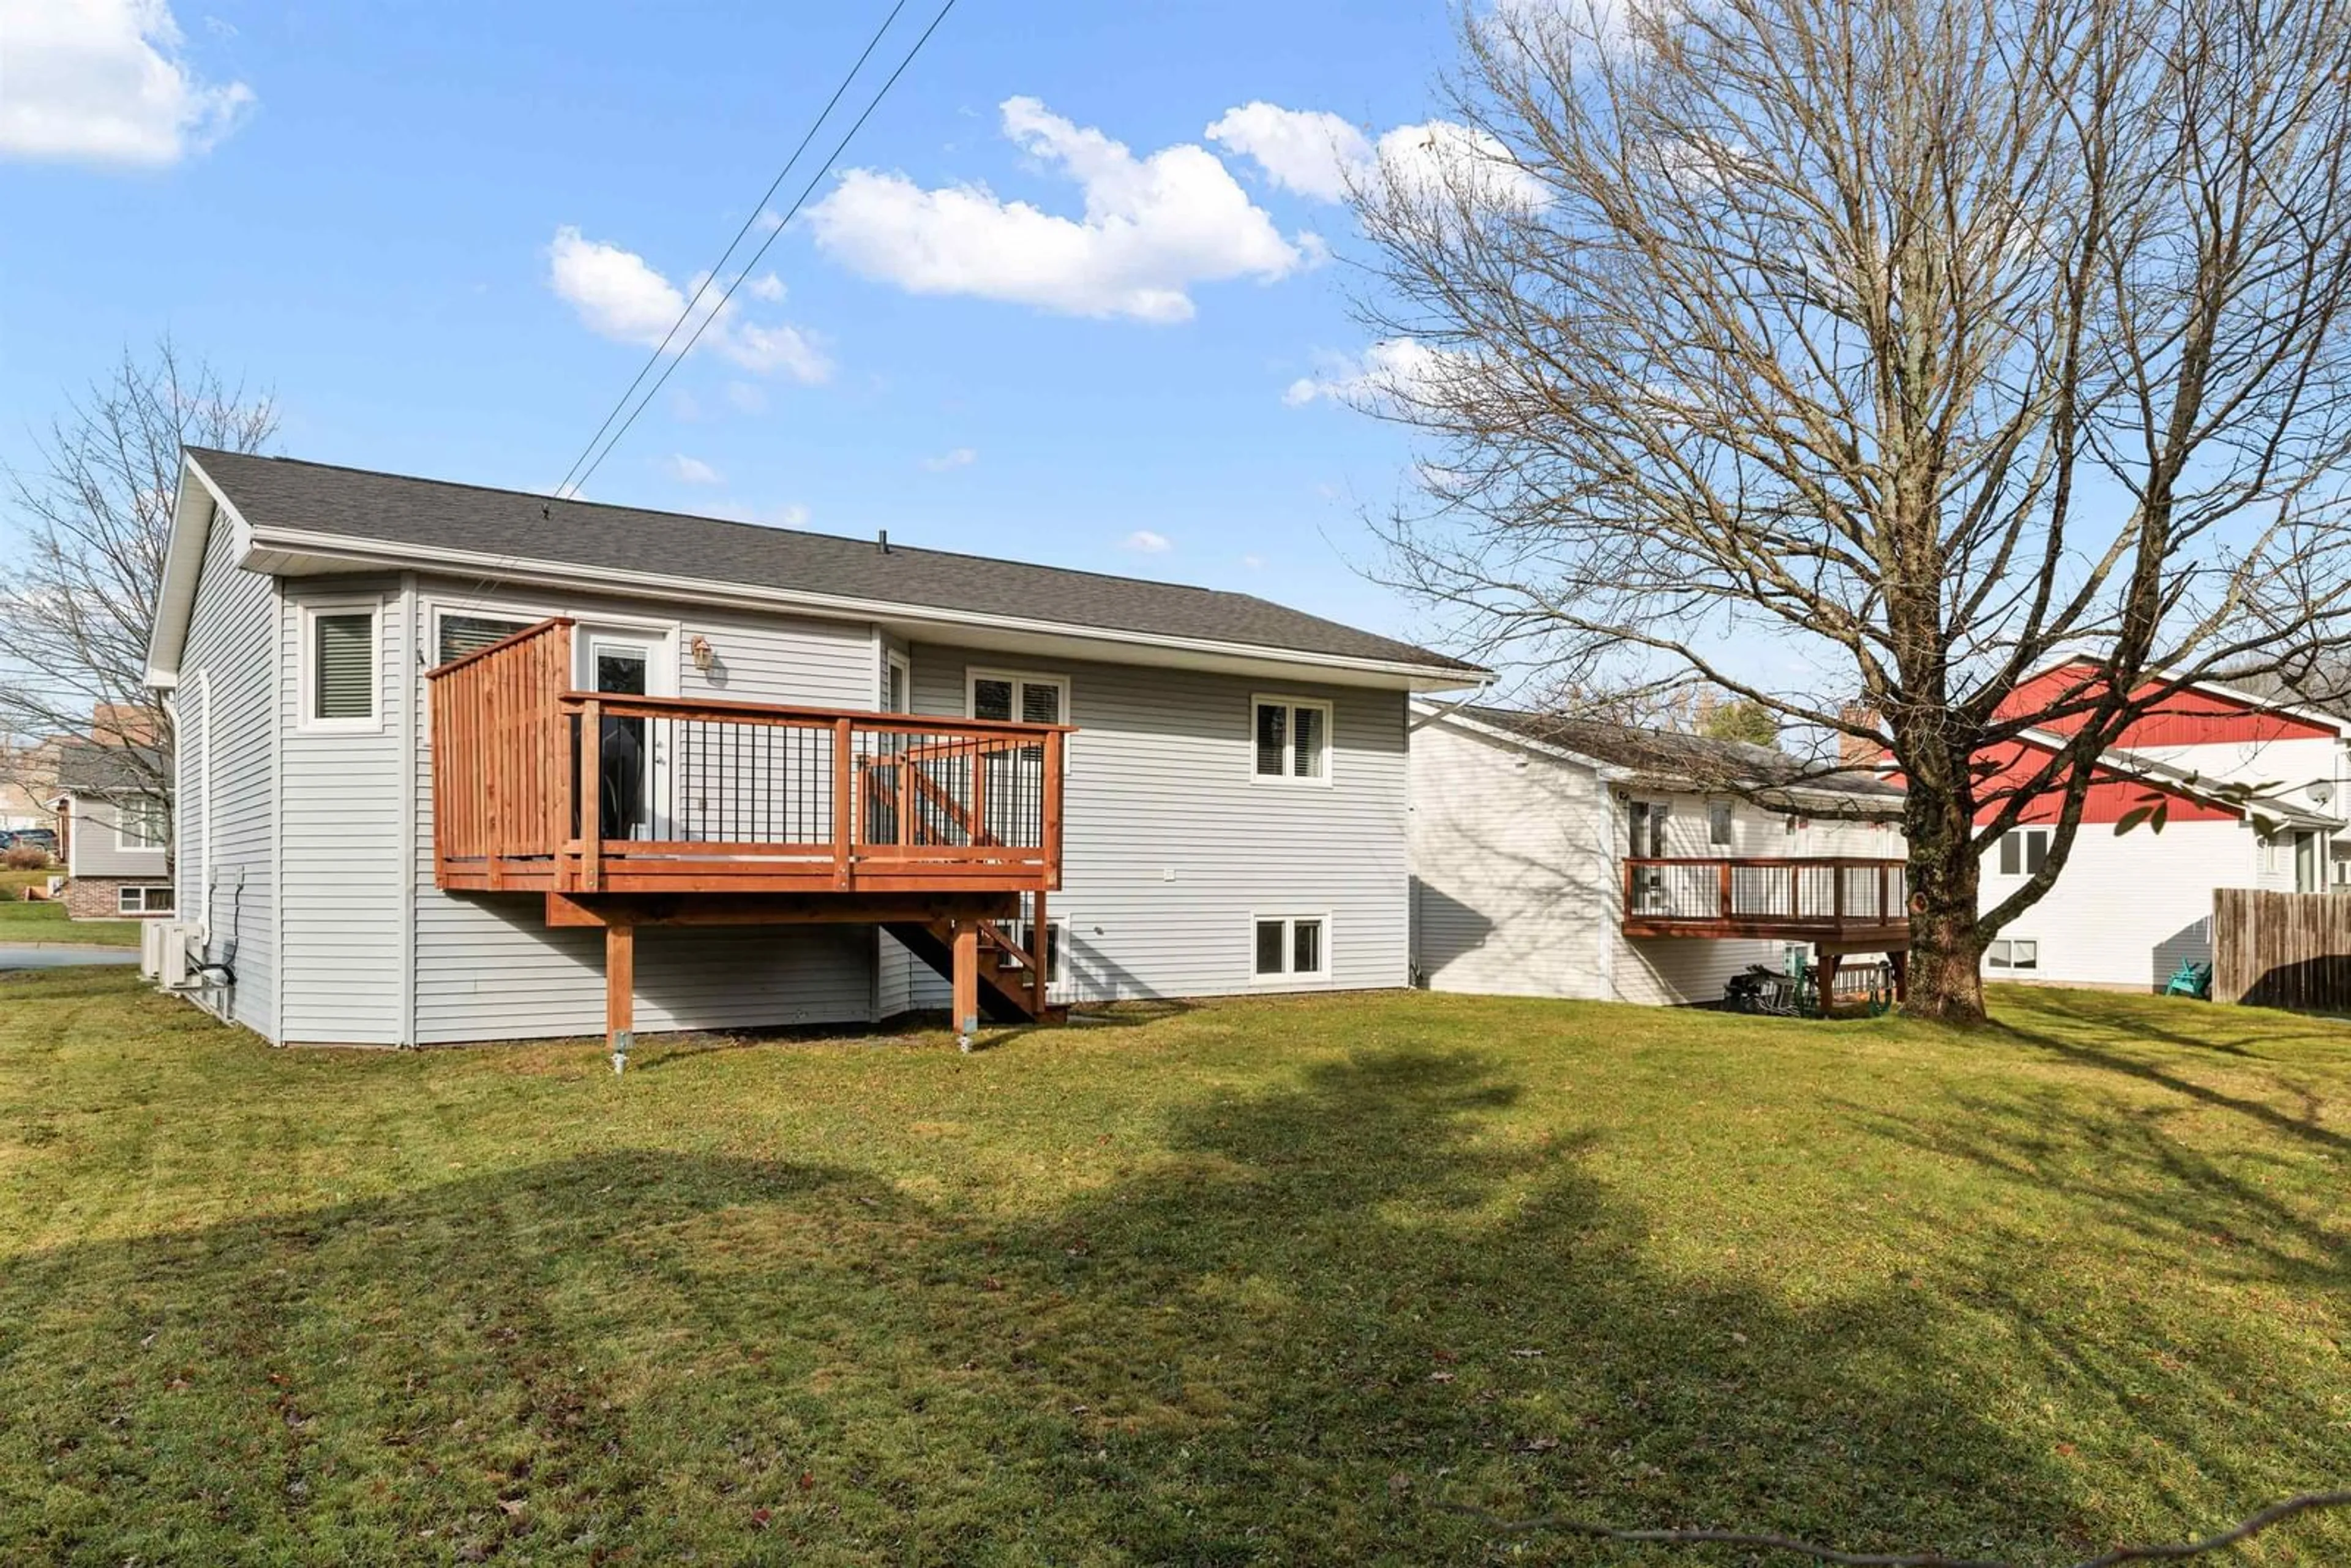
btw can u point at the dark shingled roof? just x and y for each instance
(1667, 760)
(87, 767)
(387, 509)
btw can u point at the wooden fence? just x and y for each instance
(2282, 949)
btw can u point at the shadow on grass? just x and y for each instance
(1277, 1339)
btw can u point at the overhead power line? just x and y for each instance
(591, 458)
(711, 277)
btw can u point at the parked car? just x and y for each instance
(35, 838)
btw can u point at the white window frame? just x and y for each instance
(124, 843)
(1729, 813)
(307, 658)
(2023, 850)
(441, 613)
(125, 896)
(1290, 919)
(2001, 953)
(894, 660)
(1288, 777)
(973, 676)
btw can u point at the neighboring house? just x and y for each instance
(1559, 857)
(2129, 908)
(819, 770)
(28, 784)
(113, 832)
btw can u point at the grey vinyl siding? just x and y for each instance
(1512, 869)
(96, 851)
(226, 707)
(1171, 846)
(340, 836)
(486, 964)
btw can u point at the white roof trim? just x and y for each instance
(193, 511)
(343, 550)
(1618, 773)
(2177, 780)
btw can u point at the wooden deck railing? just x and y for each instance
(538, 786)
(1760, 897)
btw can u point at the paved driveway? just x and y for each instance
(59, 957)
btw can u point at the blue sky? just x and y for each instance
(438, 231)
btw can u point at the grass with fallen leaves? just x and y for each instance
(28, 920)
(1262, 1281)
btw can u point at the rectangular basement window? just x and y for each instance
(2010, 954)
(1292, 948)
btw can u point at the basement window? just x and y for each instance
(2010, 954)
(1292, 948)
(142, 900)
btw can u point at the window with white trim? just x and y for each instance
(1029, 699)
(140, 823)
(1291, 947)
(1291, 739)
(897, 684)
(1718, 821)
(142, 900)
(2010, 954)
(338, 669)
(457, 635)
(2024, 851)
(1024, 931)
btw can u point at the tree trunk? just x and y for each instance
(1946, 979)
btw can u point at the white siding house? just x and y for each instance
(1521, 825)
(305, 606)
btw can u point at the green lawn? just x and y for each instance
(23, 922)
(1257, 1282)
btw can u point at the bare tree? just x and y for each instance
(88, 526)
(1928, 340)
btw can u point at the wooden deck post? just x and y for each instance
(966, 980)
(844, 810)
(620, 990)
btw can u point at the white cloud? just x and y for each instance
(747, 397)
(1152, 229)
(766, 287)
(1310, 151)
(1439, 158)
(691, 470)
(1143, 542)
(1253, 561)
(102, 81)
(618, 295)
(1316, 154)
(961, 457)
(1392, 370)
(793, 514)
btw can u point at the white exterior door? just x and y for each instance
(634, 794)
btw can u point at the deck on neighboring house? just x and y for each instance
(623, 809)
(1841, 904)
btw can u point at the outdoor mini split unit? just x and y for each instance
(179, 953)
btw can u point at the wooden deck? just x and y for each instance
(1839, 905)
(1854, 904)
(624, 809)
